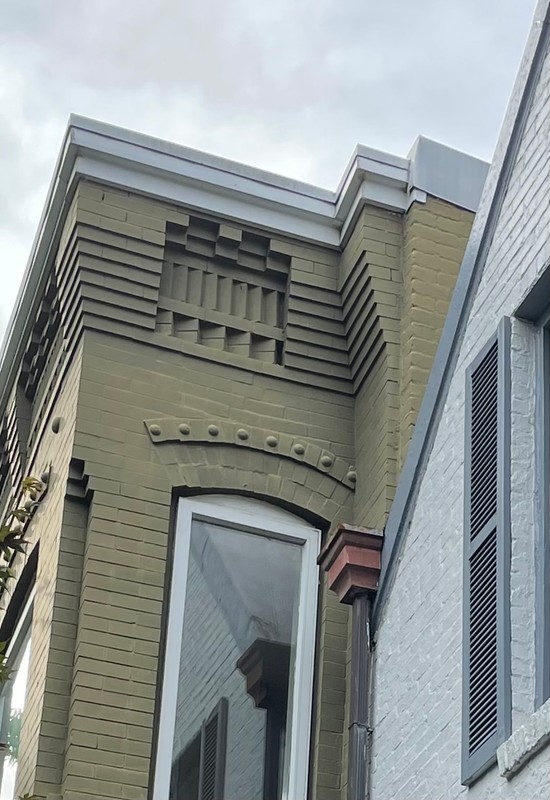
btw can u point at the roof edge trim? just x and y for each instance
(219, 186)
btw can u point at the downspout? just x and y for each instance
(352, 561)
(359, 698)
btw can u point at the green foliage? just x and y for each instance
(14, 733)
(5, 672)
(12, 541)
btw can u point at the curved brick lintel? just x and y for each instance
(352, 560)
(296, 487)
(230, 433)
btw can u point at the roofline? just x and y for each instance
(136, 162)
(475, 256)
(300, 208)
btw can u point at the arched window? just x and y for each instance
(237, 692)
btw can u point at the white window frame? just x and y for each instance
(265, 520)
(14, 653)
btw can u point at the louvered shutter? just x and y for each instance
(486, 646)
(213, 751)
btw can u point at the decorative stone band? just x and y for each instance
(352, 561)
(227, 432)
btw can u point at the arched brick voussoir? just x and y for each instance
(230, 434)
(222, 467)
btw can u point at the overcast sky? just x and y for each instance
(287, 85)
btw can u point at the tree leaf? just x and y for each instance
(31, 484)
(12, 540)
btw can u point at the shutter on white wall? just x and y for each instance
(486, 646)
(213, 751)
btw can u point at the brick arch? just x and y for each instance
(128, 537)
(217, 467)
(222, 468)
(305, 491)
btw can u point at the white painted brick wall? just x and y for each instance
(208, 673)
(417, 696)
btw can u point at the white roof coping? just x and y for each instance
(137, 162)
(446, 173)
(162, 147)
(254, 196)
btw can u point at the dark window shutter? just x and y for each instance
(486, 646)
(213, 751)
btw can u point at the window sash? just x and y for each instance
(252, 516)
(542, 497)
(14, 655)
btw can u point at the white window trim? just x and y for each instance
(22, 627)
(14, 650)
(268, 521)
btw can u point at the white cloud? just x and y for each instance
(287, 86)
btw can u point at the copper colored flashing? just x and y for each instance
(352, 561)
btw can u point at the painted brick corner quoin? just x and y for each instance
(191, 348)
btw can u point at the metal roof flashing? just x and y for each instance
(136, 162)
(446, 173)
(201, 180)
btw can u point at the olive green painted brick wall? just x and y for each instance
(123, 384)
(132, 481)
(436, 234)
(140, 355)
(397, 276)
(43, 734)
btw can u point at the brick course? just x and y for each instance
(105, 525)
(417, 694)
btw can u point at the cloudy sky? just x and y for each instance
(287, 85)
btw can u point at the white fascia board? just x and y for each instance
(204, 182)
(181, 154)
(392, 197)
(362, 156)
(387, 182)
(228, 189)
(229, 204)
(133, 161)
(383, 164)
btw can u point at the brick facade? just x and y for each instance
(143, 373)
(416, 715)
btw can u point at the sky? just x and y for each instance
(291, 86)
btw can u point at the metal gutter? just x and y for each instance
(475, 256)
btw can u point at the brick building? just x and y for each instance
(461, 664)
(211, 369)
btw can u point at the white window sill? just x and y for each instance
(525, 742)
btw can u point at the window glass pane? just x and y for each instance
(236, 664)
(13, 702)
